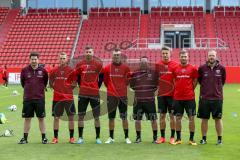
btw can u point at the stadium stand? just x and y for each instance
(3, 13)
(108, 25)
(40, 30)
(52, 30)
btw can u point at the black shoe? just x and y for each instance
(45, 141)
(219, 142)
(138, 140)
(203, 141)
(23, 141)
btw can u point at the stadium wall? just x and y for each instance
(233, 75)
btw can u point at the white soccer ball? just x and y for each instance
(13, 108)
(15, 93)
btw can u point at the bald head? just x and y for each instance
(212, 56)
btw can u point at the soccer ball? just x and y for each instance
(7, 133)
(15, 93)
(2, 118)
(13, 108)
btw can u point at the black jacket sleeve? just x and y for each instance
(22, 77)
(199, 75)
(45, 78)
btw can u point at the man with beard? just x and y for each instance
(116, 79)
(185, 76)
(212, 77)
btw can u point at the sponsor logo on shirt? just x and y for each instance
(183, 76)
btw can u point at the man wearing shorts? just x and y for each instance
(34, 80)
(88, 71)
(165, 94)
(144, 82)
(116, 77)
(212, 77)
(185, 76)
(62, 96)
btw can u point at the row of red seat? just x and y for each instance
(227, 8)
(178, 14)
(126, 9)
(49, 36)
(53, 10)
(184, 8)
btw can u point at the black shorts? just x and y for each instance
(34, 106)
(59, 106)
(83, 102)
(5, 79)
(147, 108)
(188, 105)
(117, 102)
(165, 104)
(206, 107)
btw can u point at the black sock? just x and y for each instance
(163, 133)
(126, 133)
(178, 135)
(191, 136)
(204, 138)
(138, 134)
(154, 135)
(111, 132)
(80, 132)
(55, 131)
(25, 136)
(43, 136)
(172, 133)
(97, 132)
(71, 133)
(220, 138)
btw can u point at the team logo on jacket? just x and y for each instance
(218, 71)
(40, 72)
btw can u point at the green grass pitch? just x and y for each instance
(9, 149)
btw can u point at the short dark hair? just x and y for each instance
(34, 54)
(183, 51)
(88, 47)
(117, 50)
(143, 57)
(62, 53)
(165, 48)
